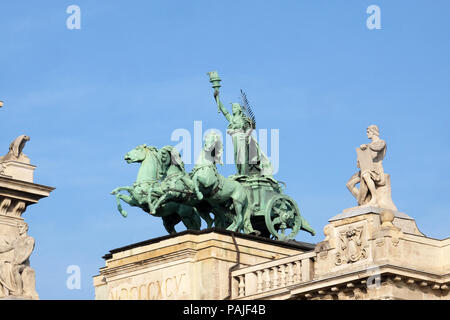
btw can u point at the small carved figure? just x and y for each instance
(16, 150)
(351, 247)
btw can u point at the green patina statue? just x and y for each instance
(159, 179)
(227, 196)
(251, 201)
(248, 157)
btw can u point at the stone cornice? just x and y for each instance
(22, 190)
(304, 246)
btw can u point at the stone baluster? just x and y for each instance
(290, 274)
(283, 275)
(266, 279)
(306, 269)
(259, 284)
(275, 278)
(241, 286)
(297, 272)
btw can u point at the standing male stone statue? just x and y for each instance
(375, 187)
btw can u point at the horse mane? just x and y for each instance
(175, 157)
(218, 148)
(218, 151)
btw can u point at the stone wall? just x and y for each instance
(189, 265)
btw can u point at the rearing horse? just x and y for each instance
(146, 185)
(224, 195)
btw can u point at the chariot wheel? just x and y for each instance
(281, 215)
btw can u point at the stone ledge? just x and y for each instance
(357, 211)
(305, 246)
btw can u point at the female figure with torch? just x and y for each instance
(247, 154)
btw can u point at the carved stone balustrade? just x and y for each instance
(268, 278)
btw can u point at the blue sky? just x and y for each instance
(136, 71)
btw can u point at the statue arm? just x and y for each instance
(5, 247)
(377, 145)
(221, 106)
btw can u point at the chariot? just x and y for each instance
(271, 213)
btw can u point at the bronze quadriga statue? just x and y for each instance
(251, 201)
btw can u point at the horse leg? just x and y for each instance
(195, 218)
(189, 217)
(162, 199)
(205, 215)
(170, 221)
(246, 212)
(247, 224)
(238, 220)
(197, 190)
(241, 219)
(117, 190)
(126, 199)
(151, 209)
(221, 219)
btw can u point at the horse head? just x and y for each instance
(138, 154)
(213, 147)
(149, 158)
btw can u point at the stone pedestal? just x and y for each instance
(19, 170)
(189, 265)
(17, 192)
(367, 253)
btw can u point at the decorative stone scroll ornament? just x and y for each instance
(375, 184)
(351, 246)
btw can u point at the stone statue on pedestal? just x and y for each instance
(15, 152)
(375, 184)
(17, 278)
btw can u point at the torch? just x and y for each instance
(215, 81)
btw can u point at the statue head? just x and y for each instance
(23, 228)
(236, 108)
(372, 131)
(138, 154)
